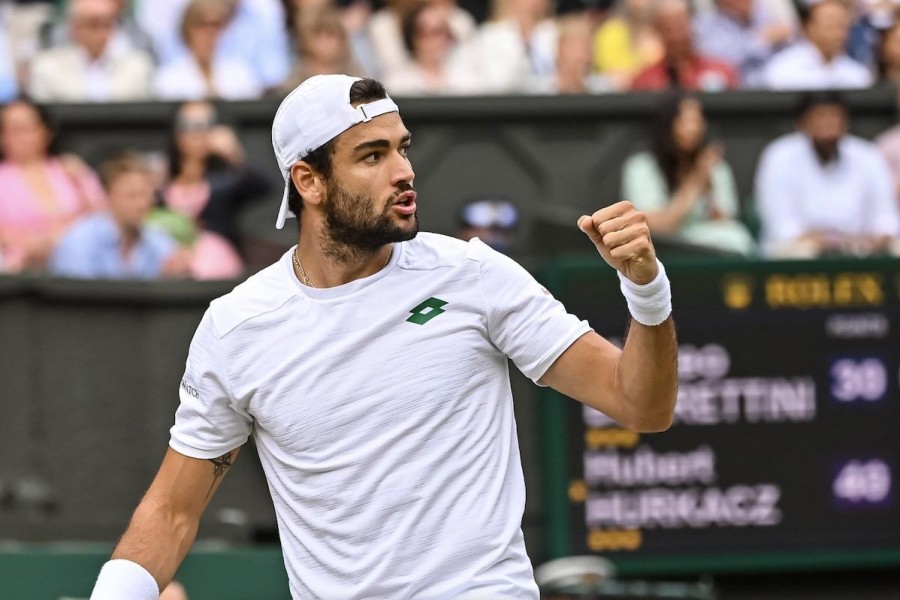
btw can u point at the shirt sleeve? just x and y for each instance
(207, 423)
(775, 201)
(725, 194)
(524, 320)
(73, 255)
(162, 246)
(889, 145)
(92, 190)
(643, 184)
(883, 214)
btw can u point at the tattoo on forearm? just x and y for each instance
(220, 466)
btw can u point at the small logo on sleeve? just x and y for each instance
(189, 389)
(427, 310)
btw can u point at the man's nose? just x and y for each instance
(403, 171)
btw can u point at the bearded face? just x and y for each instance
(362, 224)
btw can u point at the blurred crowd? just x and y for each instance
(818, 191)
(137, 217)
(120, 50)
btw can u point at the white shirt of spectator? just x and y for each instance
(256, 35)
(67, 74)
(503, 62)
(802, 67)
(796, 194)
(411, 80)
(183, 80)
(96, 74)
(391, 54)
(389, 446)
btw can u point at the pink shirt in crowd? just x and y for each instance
(24, 217)
(212, 256)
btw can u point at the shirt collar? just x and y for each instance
(840, 153)
(102, 61)
(108, 231)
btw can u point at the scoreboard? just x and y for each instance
(785, 447)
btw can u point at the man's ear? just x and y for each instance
(309, 182)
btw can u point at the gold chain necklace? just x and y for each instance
(305, 279)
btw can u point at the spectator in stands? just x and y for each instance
(493, 221)
(9, 86)
(42, 192)
(202, 72)
(684, 185)
(22, 23)
(889, 55)
(255, 36)
(627, 42)
(211, 181)
(89, 68)
(323, 48)
(823, 191)
(385, 31)
(869, 19)
(682, 66)
(437, 65)
(742, 33)
(518, 45)
(128, 35)
(818, 61)
(117, 243)
(354, 18)
(573, 74)
(889, 145)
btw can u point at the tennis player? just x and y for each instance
(370, 365)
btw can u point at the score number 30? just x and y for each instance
(864, 379)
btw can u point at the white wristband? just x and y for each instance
(649, 303)
(120, 579)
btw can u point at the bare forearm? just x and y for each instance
(163, 527)
(157, 539)
(647, 375)
(669, 219)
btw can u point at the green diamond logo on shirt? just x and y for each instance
(427, 311)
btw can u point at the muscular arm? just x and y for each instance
(635, 386)
(165, 523)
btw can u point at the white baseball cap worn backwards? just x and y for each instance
(316, 112)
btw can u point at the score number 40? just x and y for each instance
(863, 482)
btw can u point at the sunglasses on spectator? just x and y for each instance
(194, 125)
(209, 24)
(95, 23)
(434, 32)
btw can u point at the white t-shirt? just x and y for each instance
(802, 67)
(796, 194)
(383, 417)
(182, 79)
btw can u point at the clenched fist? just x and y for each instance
(622, 238)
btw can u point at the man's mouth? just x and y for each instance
(406, 203)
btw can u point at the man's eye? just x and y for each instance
(404, 150)
(371, 158)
